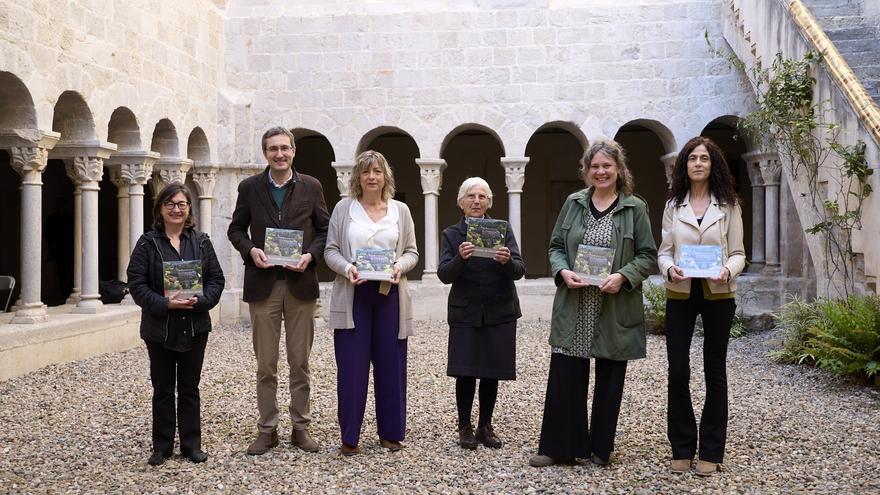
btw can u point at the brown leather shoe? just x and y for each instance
(391, 445)
(466, 439)
(486, 436)
(302, 439)
(681, 466)
(348, 450)
(263, 443)
(539, 461)
(706, 468)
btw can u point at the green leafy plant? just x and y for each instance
(840, 336)
(655, 308)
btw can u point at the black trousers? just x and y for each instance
(681, 423)
(565, 435)
(184, 369)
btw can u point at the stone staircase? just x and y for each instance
(856, 33)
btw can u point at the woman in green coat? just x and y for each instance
(603, 319)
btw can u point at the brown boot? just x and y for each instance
(466, 437)
(391, 445)
(302, 439)
(263, 443)
(486, 436)
(349, 450)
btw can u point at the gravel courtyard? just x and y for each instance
(84, 428)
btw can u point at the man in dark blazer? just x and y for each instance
(279, 197)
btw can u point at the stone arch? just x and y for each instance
(197, 148)
(165, 140)
(73, 118)
(554, 151)
(124, 130)
(725, 132)
(17, 105)
(470, 129)
(401, 150)
(314, 156)
(471, 150)
(646, 142)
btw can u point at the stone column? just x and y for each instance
(431, 171)
(205, 178)
(30, 160)
(75, 293)
(753, 166)
(771, 171)
(343, 175)
(170, 170)
(122, 225)
(668, 164)
(133, 169)
(515, 178)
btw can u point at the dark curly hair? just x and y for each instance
(166, 194)
(721, 183)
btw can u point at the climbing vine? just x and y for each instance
(789, 120)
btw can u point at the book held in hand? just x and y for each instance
(487, 234)
(283, 246)
(593, 263)
(375, 263)
(182, 277)
(700, 261)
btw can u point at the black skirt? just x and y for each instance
(483, 352)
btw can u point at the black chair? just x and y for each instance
(7, 282)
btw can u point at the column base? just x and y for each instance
(89, 305)
(29, 314)
(771, 269)
(73, 298)
(756, 267)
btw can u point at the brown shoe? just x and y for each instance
(486, 436)
(263, 443)
(681, 466)
(706, 468)
(466, 439)
(539, 460)
(348, 450)
(391, 445)
(302, 439)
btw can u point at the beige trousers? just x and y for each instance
(299, 331)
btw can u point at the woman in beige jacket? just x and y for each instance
(702, 210)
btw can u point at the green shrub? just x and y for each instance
(655, 307)
(839, 336)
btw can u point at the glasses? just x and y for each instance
(181, 205)
(276, 149)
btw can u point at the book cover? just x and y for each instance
(487, 234)
(700, 261)
(184, 277)
(593, 263)
(375, 263)
(283, 246)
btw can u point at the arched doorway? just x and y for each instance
(401, 151)
(314, 156)
(724, 132)
(554, 152)
(471, 150)
(644, 146)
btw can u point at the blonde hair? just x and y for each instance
(613, 150)
(473, 182)
(363, 162)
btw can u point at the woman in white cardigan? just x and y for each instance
(371, 319)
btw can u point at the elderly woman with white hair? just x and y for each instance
(482, 311)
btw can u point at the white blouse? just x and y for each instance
(364, 232)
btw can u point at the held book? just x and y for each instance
(593, 263)
(183, 277)
(375, 263)
(283, 246)
(699, 261)
(487, 234)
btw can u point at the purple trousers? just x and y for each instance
(372, 340)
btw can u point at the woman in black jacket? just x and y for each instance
(175, 327)
(482, 313)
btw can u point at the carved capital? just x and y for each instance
(170, 171)
(771, 172)
(514, 173)
(205, 179)
(431, 174)
(343, 176)
(27, 160)
(756, 161)
(668, 165)
(755, 178)
(134, 166)
(84, 169)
